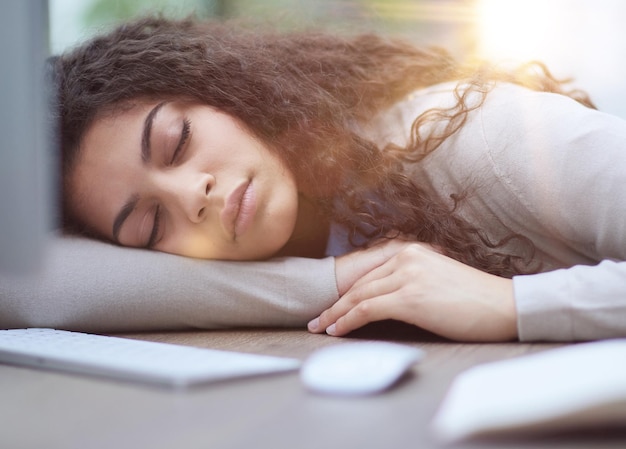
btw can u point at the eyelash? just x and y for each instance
(184, 137)
(155, 228)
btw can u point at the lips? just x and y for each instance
(238, 213)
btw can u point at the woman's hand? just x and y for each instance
(351, 267)
(413, 283)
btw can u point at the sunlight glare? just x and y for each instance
(584, 39)
(517, 30)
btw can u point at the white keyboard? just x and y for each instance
(134, 360)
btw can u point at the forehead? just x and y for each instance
(113, 140)
(116, 128)
(124, 118)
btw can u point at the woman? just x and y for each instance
(208, 141)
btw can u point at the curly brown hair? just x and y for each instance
(300, 93)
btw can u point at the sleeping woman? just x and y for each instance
(476, 203)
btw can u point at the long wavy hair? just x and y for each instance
(301, 94)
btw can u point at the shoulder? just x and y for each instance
(564, 163)
(532, 118)
(539, 163)
(506, 107)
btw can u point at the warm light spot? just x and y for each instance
(583, 39)
(518, 30)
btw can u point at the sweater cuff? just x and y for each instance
(574, 304)
(542, 313)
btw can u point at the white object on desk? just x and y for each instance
(357, 368)
(566, 388)
(126, 359)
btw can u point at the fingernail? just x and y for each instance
(330, 330)
(314, 324)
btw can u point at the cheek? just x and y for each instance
(284, 213)
(190, 243)
(210, 156)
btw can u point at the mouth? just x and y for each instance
(238, 213)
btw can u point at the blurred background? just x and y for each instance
(582, 39)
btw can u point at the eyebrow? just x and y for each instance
(146, 150)
(146, 156)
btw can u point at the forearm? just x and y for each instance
(579, 303)
(93, 286)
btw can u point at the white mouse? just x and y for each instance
(357, 368)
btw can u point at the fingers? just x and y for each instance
(350, 318)
(375, 284)
(331, 315)
(375, 309)
(351, 267)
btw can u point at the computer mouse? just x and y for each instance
(357, 368)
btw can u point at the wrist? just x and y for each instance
(507, 311)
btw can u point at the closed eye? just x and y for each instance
(184, 137)
(156, 225)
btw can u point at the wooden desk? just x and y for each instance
(40, 409)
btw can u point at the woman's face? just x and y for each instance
(183, 178)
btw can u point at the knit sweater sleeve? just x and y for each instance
(92, 286)
(567, 165)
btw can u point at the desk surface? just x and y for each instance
(45, 409)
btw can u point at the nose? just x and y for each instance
(190, 193)
(198, 201)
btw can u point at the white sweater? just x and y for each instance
(543, 166)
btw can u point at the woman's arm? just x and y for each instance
(92, 286)
(565, 165)
(420, 286)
